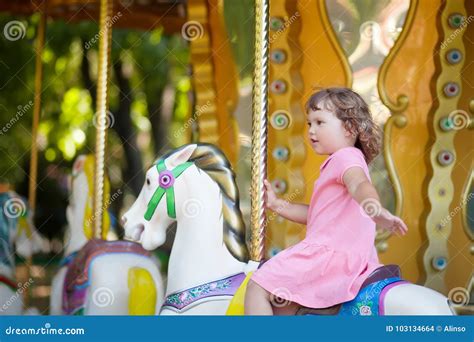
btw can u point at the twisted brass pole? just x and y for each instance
(259, 130)
(101, 119)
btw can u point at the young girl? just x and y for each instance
(329, 266)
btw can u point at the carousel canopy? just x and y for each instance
(138, 14)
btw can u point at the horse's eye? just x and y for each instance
(148, 181)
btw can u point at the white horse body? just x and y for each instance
(411, 299)
(74, 240)
(109, 290)
(199, 254)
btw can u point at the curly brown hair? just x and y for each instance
(354, 112)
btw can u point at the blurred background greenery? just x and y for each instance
(149, 99)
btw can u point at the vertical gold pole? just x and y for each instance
(105, 30)
(259, 130)
(34, 132)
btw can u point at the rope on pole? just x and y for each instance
(101, 113)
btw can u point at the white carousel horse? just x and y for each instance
(99, 277)
(195, 187)
(17, 234)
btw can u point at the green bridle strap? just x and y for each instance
(160, 191)
(155, 199)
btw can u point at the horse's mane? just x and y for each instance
(86, 164)
(212, 161)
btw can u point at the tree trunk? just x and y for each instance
(133, 175)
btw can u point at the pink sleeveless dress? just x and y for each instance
(329, 266)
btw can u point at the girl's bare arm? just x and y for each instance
(295, 212)
(365, 194)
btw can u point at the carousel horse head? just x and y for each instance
(80, 208)
(178, 188)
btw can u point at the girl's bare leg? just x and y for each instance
(286, 309)
(257, 300)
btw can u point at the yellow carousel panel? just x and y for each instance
(448, 246)
(459, 272)
(214, 76)
(304, 54)
(324, 65)
(286, 120)
(404, 86)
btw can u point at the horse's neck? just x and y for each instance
(75, 238)
(199, 258)
(199, 254)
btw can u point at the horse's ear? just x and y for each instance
(180, 156)
(78, 164)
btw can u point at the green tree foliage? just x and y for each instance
(149, 61)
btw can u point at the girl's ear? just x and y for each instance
(348, 133)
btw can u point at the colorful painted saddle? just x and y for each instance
(215, 290)
(369, 301)
(76, 281)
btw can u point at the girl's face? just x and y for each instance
(327, 133)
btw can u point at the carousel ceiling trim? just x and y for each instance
(134, 14)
